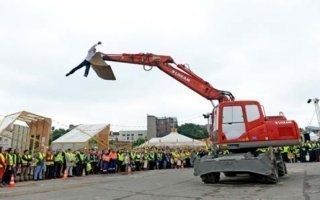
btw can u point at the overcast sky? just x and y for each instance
(260, 50)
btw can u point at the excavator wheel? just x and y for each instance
(211, 178)
(273, 178)
(282, 169)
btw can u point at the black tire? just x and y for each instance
(211, 178)
(274, 177)
(230, 174)
(281, 169)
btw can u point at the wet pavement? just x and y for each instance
(302, 182)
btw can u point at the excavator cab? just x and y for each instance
(243, 125)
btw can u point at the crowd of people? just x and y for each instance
(62, 164)
(305, 152)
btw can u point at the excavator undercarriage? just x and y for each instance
(266, 167)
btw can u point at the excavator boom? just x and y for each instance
(177, 71)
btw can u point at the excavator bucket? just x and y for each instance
(102, 69)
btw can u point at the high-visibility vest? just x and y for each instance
(58, 158)
(113, 155)
(151, 156)
(68, 156)
(121, 157)
(2, 159)
(15, 158)
(137, 157)
(39, 158)
(106, 157)
(72, 157)
(9, 159)
(82, 157)
(26, 159)
(286, 149)
(133, 155)
(49, 159)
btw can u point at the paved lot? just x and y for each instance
(303, 182)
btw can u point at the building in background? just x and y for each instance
(159, 127)
(128, 135)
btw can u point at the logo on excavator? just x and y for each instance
(282, 122)
(180, 75)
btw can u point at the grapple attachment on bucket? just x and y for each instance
(102, 69)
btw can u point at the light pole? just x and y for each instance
(317, 109)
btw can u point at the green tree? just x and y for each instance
(138, 142)
(194, 131)
(57, 133)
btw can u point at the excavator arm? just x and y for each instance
(177, 71)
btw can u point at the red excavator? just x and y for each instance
(239, 127)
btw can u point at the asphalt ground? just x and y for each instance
(302, 182)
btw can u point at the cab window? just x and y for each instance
(252, 112)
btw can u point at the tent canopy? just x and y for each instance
(80, 135)
(173, 139)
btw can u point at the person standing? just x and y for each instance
(113, 161)
(3, 165)
(26, 160)
(9, 169)
(49, 164)
(39, 159)
(16, 163)
(69, 156)
(58, 164)
(86, 62)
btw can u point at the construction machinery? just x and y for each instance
(241, 127)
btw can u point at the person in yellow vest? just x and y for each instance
(3, 165)
(80, 158)
(49, 164)
(17, 164)
(137, 161)
(175, 157)
(120, 161)
(58, 164)
(188, 157)
(69, 156)
(152, 159)
(9, 169)
(26, 160)
(127, 161)
(39, 158)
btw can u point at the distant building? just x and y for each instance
(159, 127)
(129, 136)
(113, 136)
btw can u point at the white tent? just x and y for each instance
(79, 137)
(173, 139)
